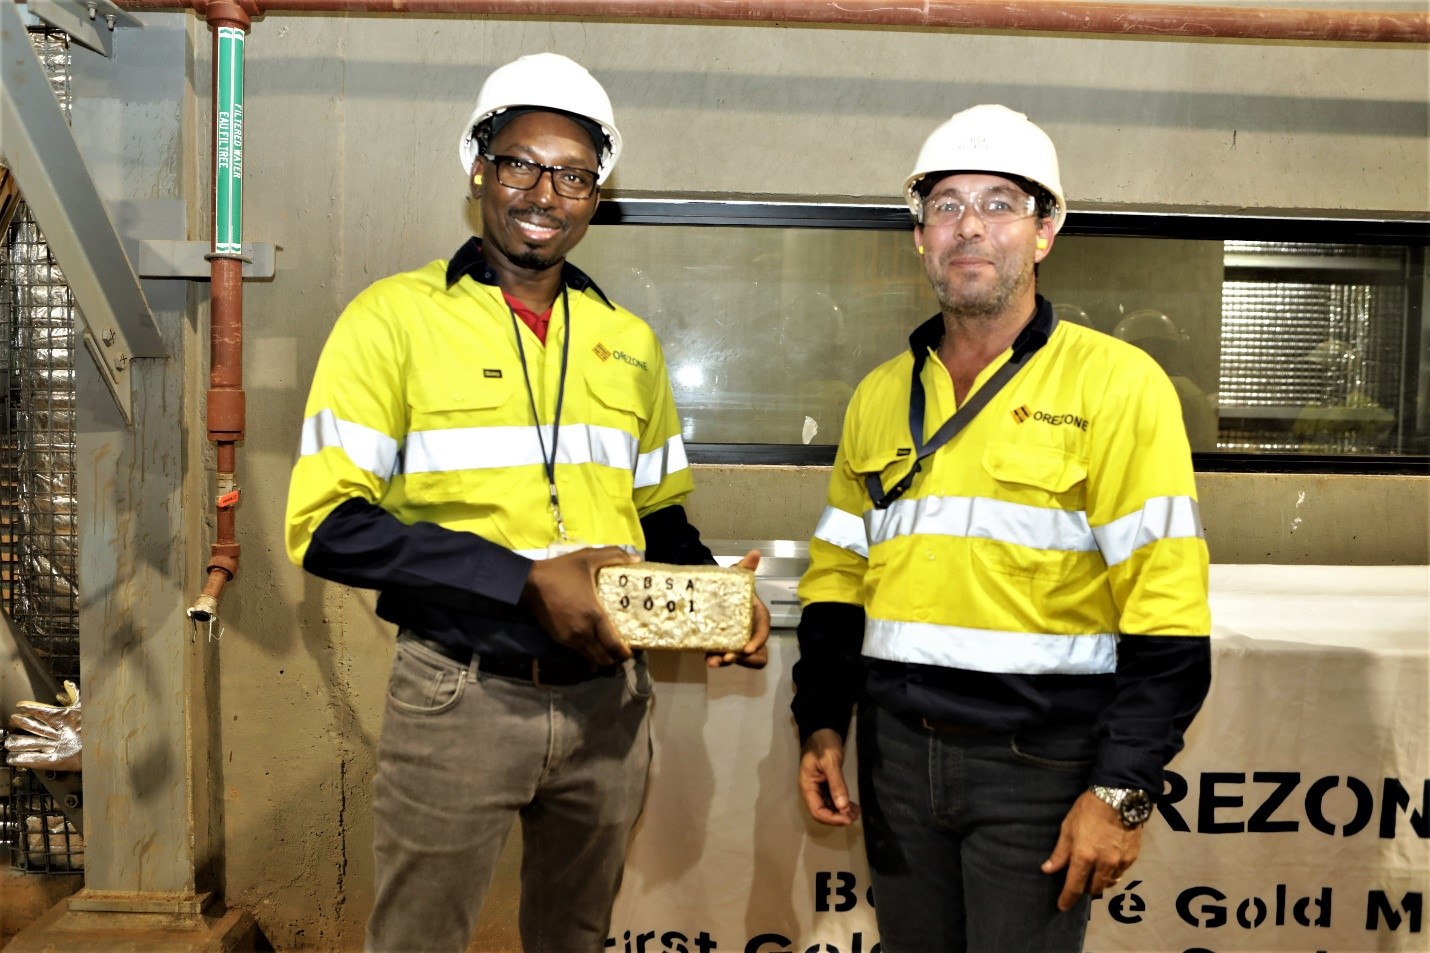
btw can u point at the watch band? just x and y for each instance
(1133, 806)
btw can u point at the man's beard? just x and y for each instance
(1008, 284)
(533, 260)
(526, 257)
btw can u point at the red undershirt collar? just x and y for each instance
(537, 322)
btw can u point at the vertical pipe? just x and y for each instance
(229, 23)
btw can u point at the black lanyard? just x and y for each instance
(549, 464)
(1024, 348)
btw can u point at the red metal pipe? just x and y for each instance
(226, 402)
(1049, 16)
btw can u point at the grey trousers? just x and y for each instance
(464, 754)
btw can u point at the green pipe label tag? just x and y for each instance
(228, 146)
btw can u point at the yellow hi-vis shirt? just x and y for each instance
(1063, 517)
(419, 405)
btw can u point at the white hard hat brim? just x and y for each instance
(467, 147)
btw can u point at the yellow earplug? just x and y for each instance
(1042, 243)
(476, 180)
(921, 249)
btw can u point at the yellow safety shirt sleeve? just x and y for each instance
(353, 422)
(337, 527)
(662, 476)
(829, 673)
(1142, 508)
(839, 547)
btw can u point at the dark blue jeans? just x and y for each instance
(956, 827)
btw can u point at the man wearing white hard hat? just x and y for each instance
(481, 436)
(1157, 334)
(1009, 581)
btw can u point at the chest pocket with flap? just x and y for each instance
(1052, 531)
(619, 411)
(462, 435)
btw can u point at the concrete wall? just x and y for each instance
(350, 160)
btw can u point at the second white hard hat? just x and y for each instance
(544, 81)
(989, 139)
(1148, 324)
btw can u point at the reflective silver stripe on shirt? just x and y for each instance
(653, 467)
(844, 530)
(368, 449)
(484, 448)
(1162, 517)
(990, 650)
(546, 553)
(1038, 527)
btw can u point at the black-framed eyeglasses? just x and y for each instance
(569, 181)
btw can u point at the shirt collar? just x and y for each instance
(1034, 335)
(471, 261)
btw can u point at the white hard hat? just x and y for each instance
(989, 139)
(1148, 324)
(544, 81)
(1067, 311)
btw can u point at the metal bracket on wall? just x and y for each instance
(159, 258)
(37, 145)
(90, 23)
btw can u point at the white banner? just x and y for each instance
(1297, 818)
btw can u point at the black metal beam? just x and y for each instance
(796, 213)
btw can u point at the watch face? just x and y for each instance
(1136, 808)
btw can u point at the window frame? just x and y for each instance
(1268, 226)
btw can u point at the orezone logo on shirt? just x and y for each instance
(1061, 420)
(1022, 414)
(625, 358)
(605, 354)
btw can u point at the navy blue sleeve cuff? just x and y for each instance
(829, 676)
(360, 544)
(1161, 682)
(670, 538)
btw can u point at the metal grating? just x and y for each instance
(1311, 250)
(33, 828)
(38, 566)
(1312, 363)
(38, 464)
(38, 508)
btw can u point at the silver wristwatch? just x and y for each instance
(1133, 806)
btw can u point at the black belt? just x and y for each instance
(540, 672)
(523, 668)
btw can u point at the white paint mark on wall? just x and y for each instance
(1300, 498)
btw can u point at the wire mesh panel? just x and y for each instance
(39, 446)
(1311, 345)
(38, 565)
(9, 448)
(38, 508)
(33, 828)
